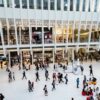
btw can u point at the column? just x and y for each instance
(2, 39)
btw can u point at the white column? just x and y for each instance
(86, 11)
(90, 30)
(21, 58)
(2, 39)
(15, 26)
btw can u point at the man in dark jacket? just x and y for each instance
(1, 96)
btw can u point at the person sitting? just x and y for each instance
(90, 92)
(90, 98)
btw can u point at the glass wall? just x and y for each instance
(45, 4)
(12, 38)
(36, 35)
(5, 35)
(94, 36)
(96, 6)
(52, 4)
(24, 4)
(58, 4)
(48, 38)
(31, 4)
(25, 35)
(38, 4)
(89, 7)
(17, 3)
(71, 5)
(65, 5)
(9, 3)
(84, 5)
(76, 35)
(1, 3)
(77, 5)
(84, 34)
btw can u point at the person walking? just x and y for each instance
(37, 76)
(77, 82)
(45, 90)
(10, 76)
(29, 86)
(53, 85)
(47, 75)
(24, 75)
(66, 78)
(13, 76)
(82, 69)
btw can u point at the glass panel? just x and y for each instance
(71, 5)
(9, 3)
(84, 34)
(1, 3)
(24, 3)
(12, 38)
(17, 4)
(48, 55)
(96, 6)
(39, 4)
(52, 5)
(31, 4)
(25, 35)
(77, 5)
(45, 4)
(36, 35)
(84, 1)
(94, 36)
(5, 35)
(89, 7)
(58, 4)
(65, 5)
(48, 35)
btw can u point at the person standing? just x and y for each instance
(24, 75)
(77, 81)
(91, 70)
(53, 85)
(10, 77)
(45, 90)
(13, 76)
(29, 86)
(1, 96)
(82, 69)
(47, 75)
(37, 76)
(66, 79)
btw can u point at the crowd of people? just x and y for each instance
(89, 84)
